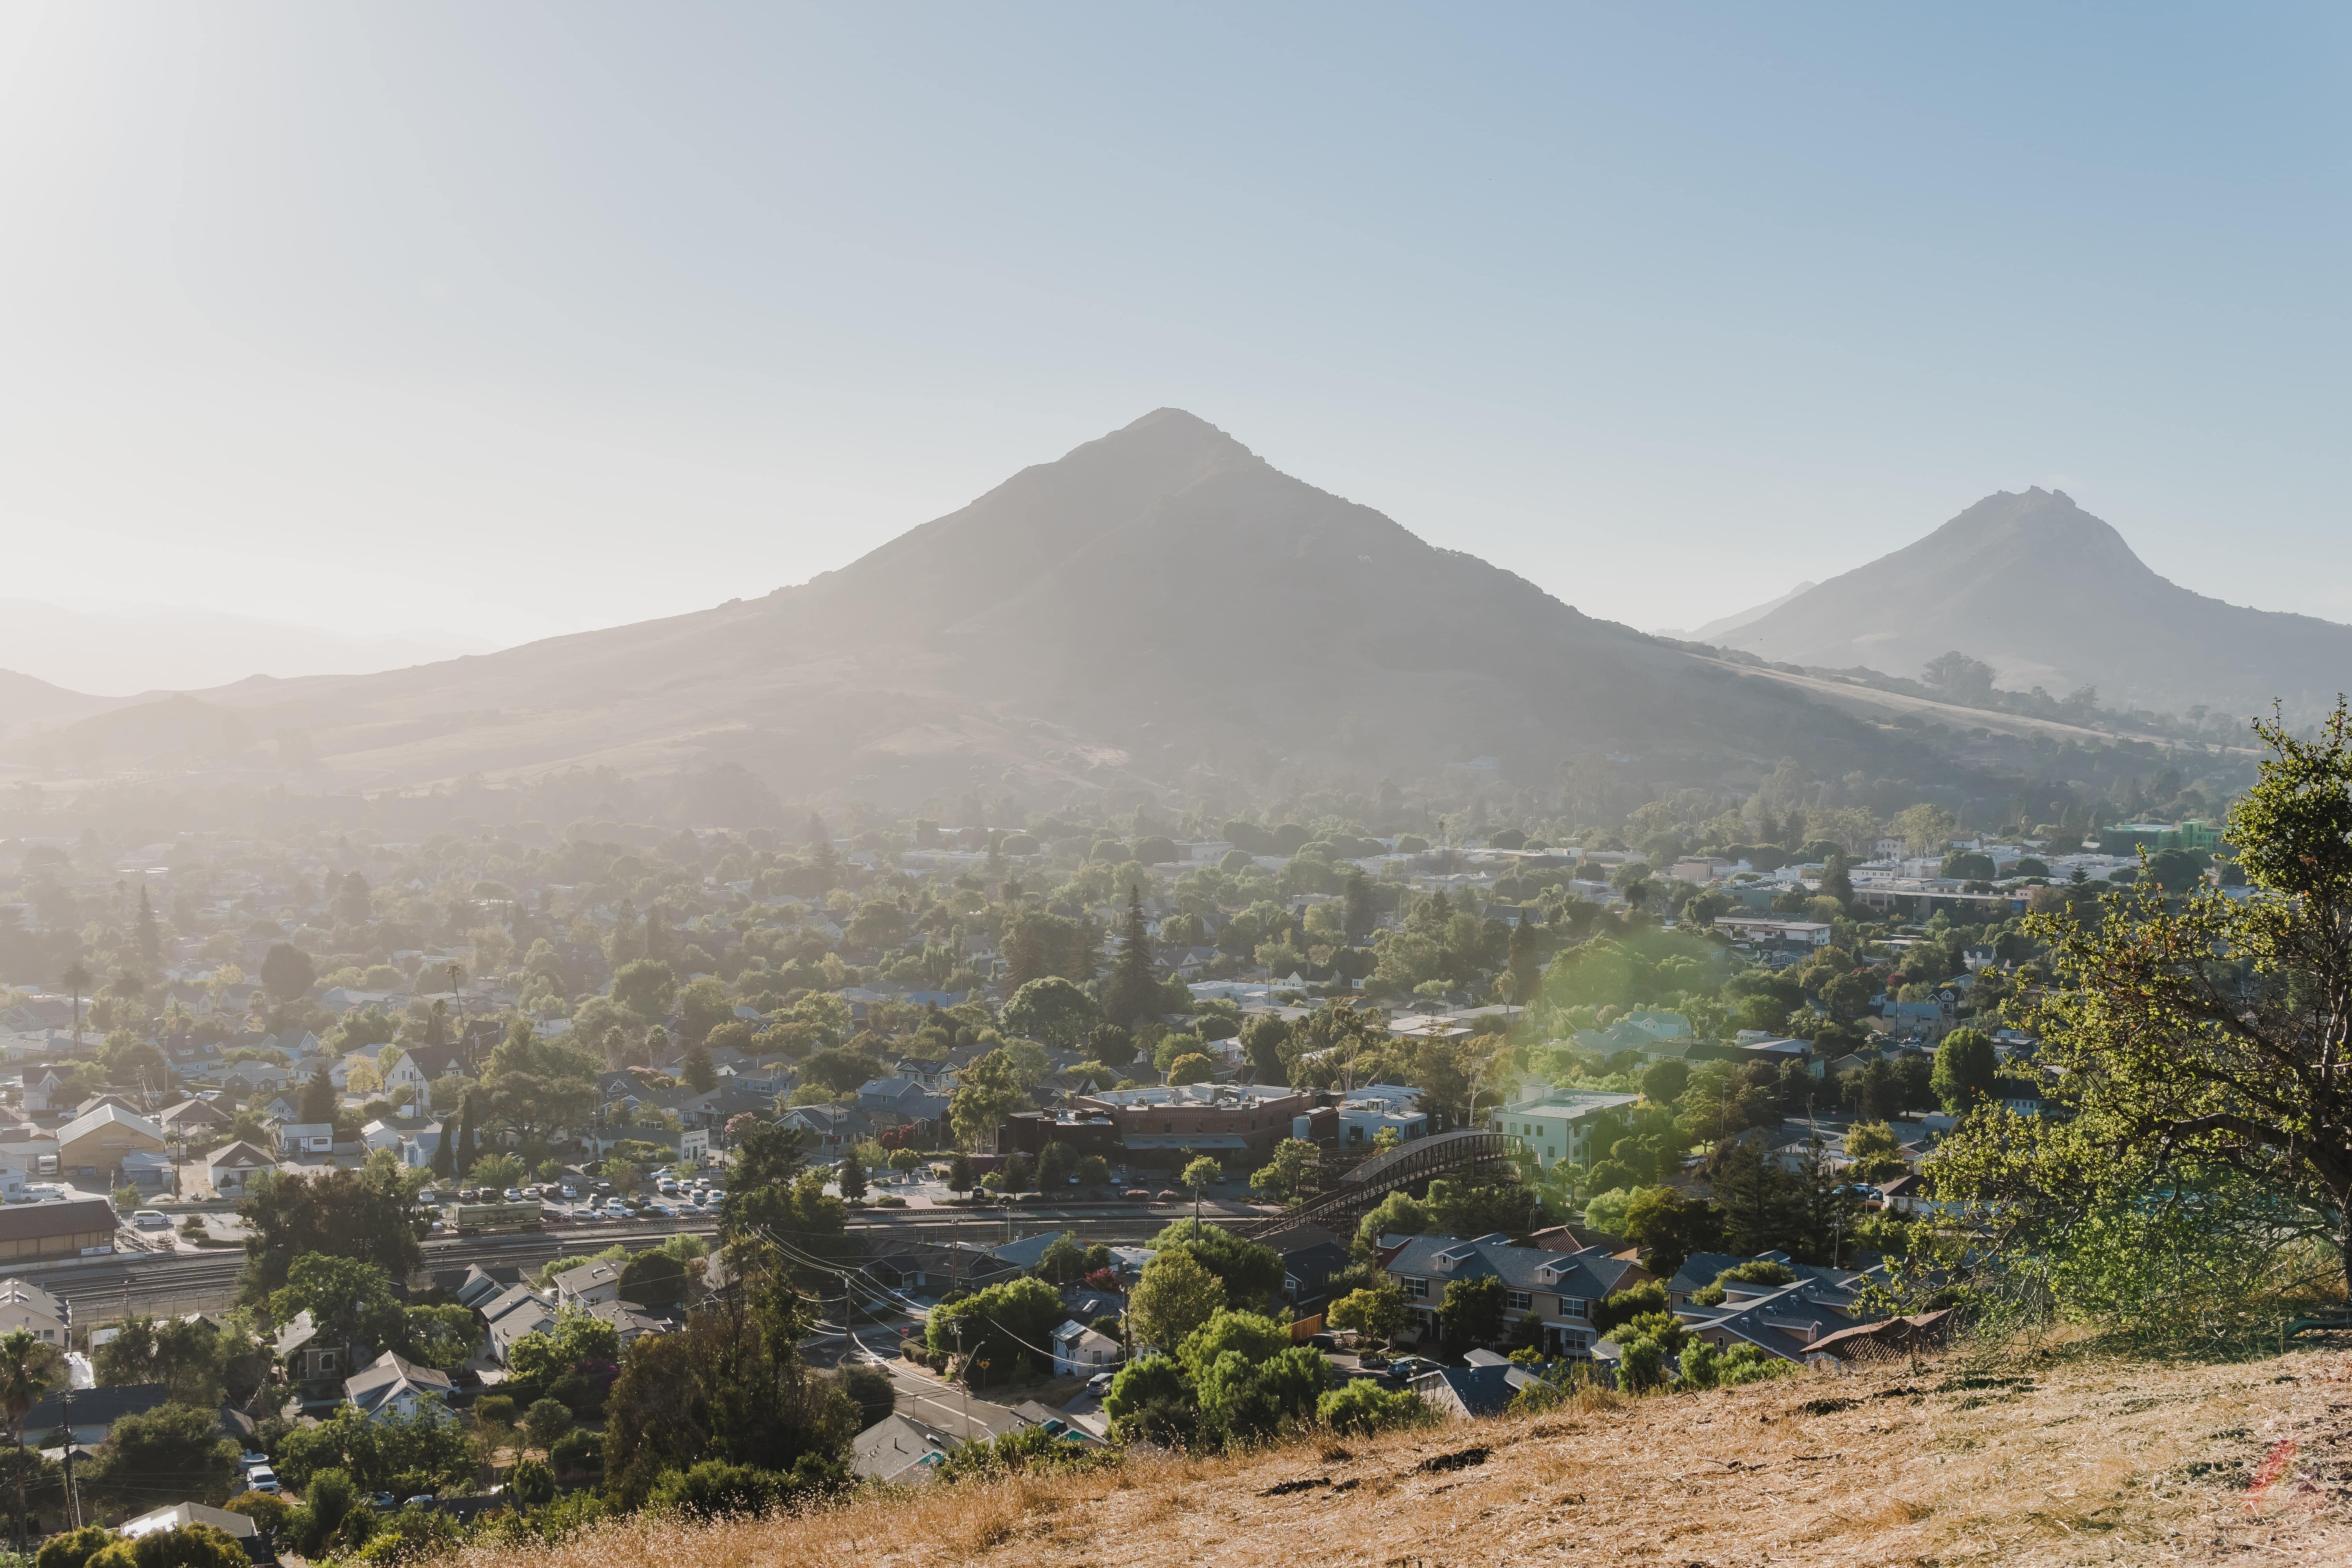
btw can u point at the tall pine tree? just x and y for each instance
(1133, 993)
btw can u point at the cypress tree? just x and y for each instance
(1134, 991)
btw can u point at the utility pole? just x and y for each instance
(73, 1498)
(964, 1378)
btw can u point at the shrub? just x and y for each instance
(1626, 1305)
(1361, 1404)
(1704, 1366)
(1022, 1449)
(530, 1484)
(577, 1452)
(186, 1546)
(75, 1547)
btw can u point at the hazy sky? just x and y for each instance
(487, 321)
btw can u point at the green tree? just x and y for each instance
(349, 1300)
(1968, 1069)
(1004, 1326)
(654, 1280)
(1064, 1261)
(850, 1178)
(174, 1446)
(573, 1342)
(1250, 1272)
(361, 1215)
(2194, 1053)
(1293, 1158)
(1668, 1227)
(647, 988)
(1175, 1295)
(1361, 1407)
(1131, 993)
(989, 1090)
(1377, 1312)
(530, 1483)
(1051, 1010)
(545, 1421)
(29, 1369)
(186, 1357)
(1753, 1194)
(696, 1070)
(1152, 1399)
(1664, 1082)
(318, 1102)
(1244, 1400)
(1876, 1153)
(1470, 1314)
(75, 1548)
(286, 973)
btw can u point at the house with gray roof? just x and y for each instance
(395, 1386)
(1790, 1321)
(1553, 1293)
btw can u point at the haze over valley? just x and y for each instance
(925, 786)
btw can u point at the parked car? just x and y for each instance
(570, 1191)
(384, 1502)
(666, 1186)
(513, 1194)
(1099, 1384)
(261, 1478)
(152, 1219)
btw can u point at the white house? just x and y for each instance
(404, 1082)
(395, 1385)
(33, 1310)
(588, 1285)
(1081, 1350)
(306, 1137)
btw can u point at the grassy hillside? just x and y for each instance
(2074, 1461)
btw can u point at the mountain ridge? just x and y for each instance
(1158, 603)
(2052, 595)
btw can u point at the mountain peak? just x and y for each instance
(2052, 595)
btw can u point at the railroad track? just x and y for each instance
(100, 1289)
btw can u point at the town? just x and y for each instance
(398, 1177)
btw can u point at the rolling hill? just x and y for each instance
(2052, 596)
(1156, 604)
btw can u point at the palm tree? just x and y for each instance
(29, 1369)
(76, 979)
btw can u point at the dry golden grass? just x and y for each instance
(2084, 1461)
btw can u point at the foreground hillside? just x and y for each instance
(2080, 1462)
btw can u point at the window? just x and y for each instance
(1571, 1307)
(1417, 1289)
(1518, 1301)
